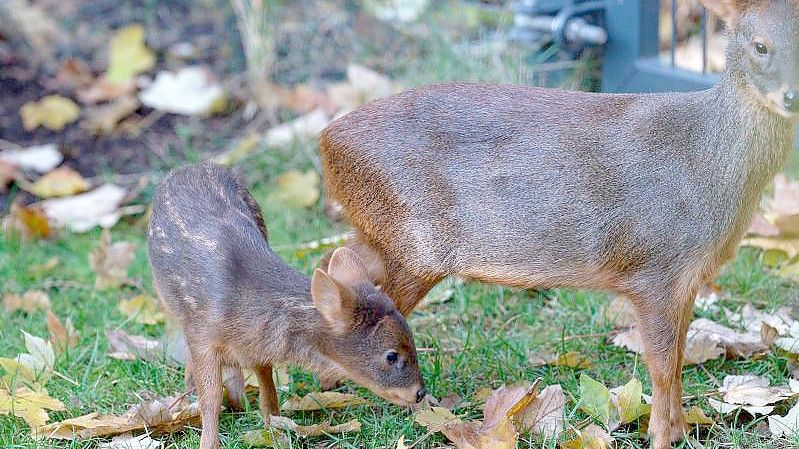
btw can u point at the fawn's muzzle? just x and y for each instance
(420, 394)
(791, 100)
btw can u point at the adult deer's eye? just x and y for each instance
(392, 357)
(761, 48)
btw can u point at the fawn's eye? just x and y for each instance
(761, 48)
(392, 357)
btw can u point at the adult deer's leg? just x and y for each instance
(267, 393)
(207, 372)
(662, 320)
(677, 418)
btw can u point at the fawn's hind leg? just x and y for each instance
(662, 321)
(207, 373)
(267, 393)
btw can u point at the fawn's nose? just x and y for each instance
(420, 394)
(791, 100)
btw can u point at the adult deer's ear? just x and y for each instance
(347, 268)
(727, 10)
(329, 301)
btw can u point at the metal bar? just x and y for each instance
(703, 30)
(673, 33)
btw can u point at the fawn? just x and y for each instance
(240, 305)
(644, 195)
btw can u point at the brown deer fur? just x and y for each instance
(645, 195)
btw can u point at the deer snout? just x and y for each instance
(790, 100)
(420, 395)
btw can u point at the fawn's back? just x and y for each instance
(209, 252)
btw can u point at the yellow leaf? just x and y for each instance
(62, 181)
(29, 302)
(29, 405)
(53, 112)
(103, 119)
(323, 400)
(696, 416)
(594, 399)
(129, 56)
(32, 369)
(298, 189)
(629, 402)
(573, 359)
(145, 309)
(266, 438)
(592, 437)
(29, 222)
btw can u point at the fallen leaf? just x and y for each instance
(298, 189)
(752, 319)
(369, 83)
(393, 11)
(726, 408)
(435, 418)
(315, 430)
(190, 91)
(81, 213)
(29, 405)
(128, 54)
(401, 443)
(752, 390)
(629, 402)
(73, 74)
(788, 246)
(545, 414)
(266, 438)
(110, 262)
(594, 399)
(162, 415)
(62, 181)
(783, 209)
(572, 359)
(131, 442)
(103, 90)
(592, 437)
(29, 222)
(143, 308)
(38, 158)
(29, 302)
(695, 416)
(62, 336)
(787, 425)
(53, 112)
(39, 269)
(103, 119)
(302, 128)
(123, 346)
(303, 99)
(32, 369)
(322, 400)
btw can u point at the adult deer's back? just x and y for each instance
(644, 195)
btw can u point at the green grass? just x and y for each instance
(482, 337)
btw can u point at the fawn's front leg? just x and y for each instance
(207, 373)
(663, 321)
(267, 393)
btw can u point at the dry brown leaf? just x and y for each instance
(29, 302)
(450, 402)
(752, 390)
(544, 415)
(787, 425)
(103, 119)
(304, 127)
(621, 313)
(323, 400)
(63, 181)
(53, 112)
(62, 336)
(102, 90)
(123, 346)
(725, 408)
(129, 441)
(162, 415)
(303, 99)
(314, 430)
(29, 222)
(72, 75)
(752, 319)
(110, 261)
(143, 308)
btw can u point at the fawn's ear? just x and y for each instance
(347, 268)
(726, 10)
(329, 301)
